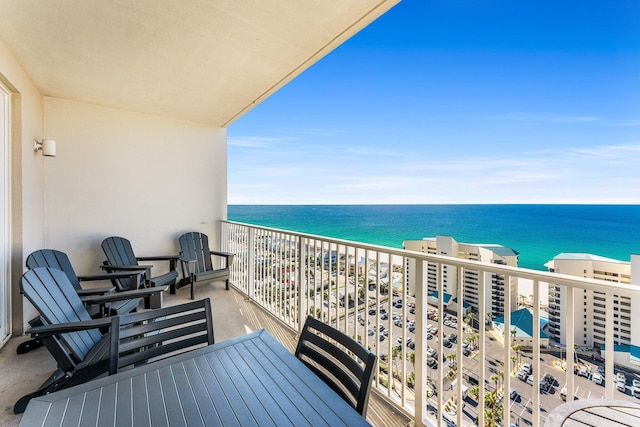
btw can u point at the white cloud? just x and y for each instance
(599, 174)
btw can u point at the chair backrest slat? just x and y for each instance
(195, 246)
(51, 293)
(119, 251)
(338, 360)
(53, 259)
(154, 334)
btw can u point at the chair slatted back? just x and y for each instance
(342, 363)
(195, 246)
(119, 251)
(146, 335)
(53, 259)
(51, 293)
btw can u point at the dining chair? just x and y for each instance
(341, 362)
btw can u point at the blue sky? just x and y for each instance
(456, 101)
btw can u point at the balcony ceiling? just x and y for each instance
(197, 60)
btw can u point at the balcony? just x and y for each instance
(277, 280)
(424, 387)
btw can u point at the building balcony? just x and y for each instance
(409, 387)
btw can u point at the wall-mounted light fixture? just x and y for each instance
(47, 146)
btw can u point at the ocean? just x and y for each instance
(537, 232)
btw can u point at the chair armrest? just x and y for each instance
(124, 295)
(110, 276)
(158, 258)
(229, 256)
(48, 330)
(95, 291)
(140, 268)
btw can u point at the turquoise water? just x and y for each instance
(538, 232)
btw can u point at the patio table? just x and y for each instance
(595, 412)
(250, 380)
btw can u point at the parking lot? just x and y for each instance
(386, 326)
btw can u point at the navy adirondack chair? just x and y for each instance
(120, 257)
(76, 342)
(197, 261)
(59, 260)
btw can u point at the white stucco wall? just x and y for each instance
(27, 176)
(139, 176)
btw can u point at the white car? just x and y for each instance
(635, 390)
(597, 378)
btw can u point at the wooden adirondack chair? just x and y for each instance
(197, 264)
(76, 342)
(120, 257)
(59, 260)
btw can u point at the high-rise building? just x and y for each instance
(493, 253)
(589, 306)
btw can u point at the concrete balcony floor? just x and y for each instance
(233, 315)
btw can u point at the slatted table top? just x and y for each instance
(595, 412)
(247, 381)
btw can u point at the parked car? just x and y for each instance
(527, 368)
(431, 352)
(621, 382)
(522, 375)
(530, 380)
(635, 388)
(431, 361)
(597, 378)
(582, 372)
(513, 395)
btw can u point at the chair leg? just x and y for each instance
(227, 284)
(53, 383)
(193, 286)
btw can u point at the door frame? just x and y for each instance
(5, 216)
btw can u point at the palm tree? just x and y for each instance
(411, 357)
(475, 392)
(518, 349)
(474, 318)
(513, 335)
(494, 378)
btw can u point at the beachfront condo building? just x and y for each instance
(589, 306)
(445, 245)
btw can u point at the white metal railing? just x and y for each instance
(350, 285)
